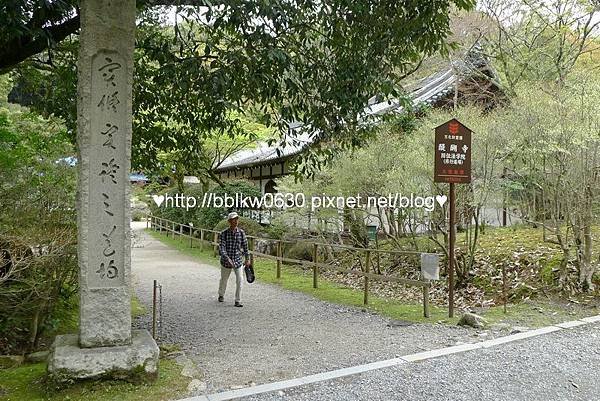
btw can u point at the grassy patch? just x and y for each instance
(539, 312)
(137, 308)
(183, 244)
(26, 383)
(296, 279)
(168, 348)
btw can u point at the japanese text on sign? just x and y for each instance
(107, 179)
(452, 153)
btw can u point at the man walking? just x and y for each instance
(232, 244)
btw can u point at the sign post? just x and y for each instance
(453, 166)
(451, 242)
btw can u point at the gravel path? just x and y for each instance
(278, 334)
(560, 366)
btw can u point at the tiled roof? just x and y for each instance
(265, 154)
(426, 91)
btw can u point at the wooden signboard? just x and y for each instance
(452, 153)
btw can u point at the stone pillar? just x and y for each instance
(105, 343)
(104, 143)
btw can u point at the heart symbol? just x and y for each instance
(158, 199)
(441, 199)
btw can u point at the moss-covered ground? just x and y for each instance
(27, 383)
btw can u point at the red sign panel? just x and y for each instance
(452, 153)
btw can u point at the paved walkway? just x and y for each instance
(278, 334)
(559, 366)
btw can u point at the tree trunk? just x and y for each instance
(563, 277)
(587, 268)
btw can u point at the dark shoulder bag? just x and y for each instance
(249, 270)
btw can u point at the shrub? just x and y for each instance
(249, 226)
(211, 216)
(137, 215)
(207, 217)
(38, 258)
(168, 211)
(38, 284)
(301, 250)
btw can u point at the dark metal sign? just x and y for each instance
(452, 153)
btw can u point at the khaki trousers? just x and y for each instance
(225, 272)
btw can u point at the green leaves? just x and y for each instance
(275, 61)
(292, 61)
(37, 188)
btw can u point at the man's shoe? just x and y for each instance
(220, 299)
(239, 305)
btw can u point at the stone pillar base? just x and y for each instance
(137, 362)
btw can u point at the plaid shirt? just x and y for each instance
(231, 245)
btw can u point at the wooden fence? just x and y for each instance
(211, 238)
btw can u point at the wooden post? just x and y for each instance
(504, 195)
(202, 239)
(378, 253)
(367, 271)
(154, 288)
(426, 299)
(173, 229)
(315, 265)
(215, 246)
(504, 292)
(451, 250)
(279, 256)
(181, 232)
(191, 237)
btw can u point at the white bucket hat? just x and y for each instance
(232, 215)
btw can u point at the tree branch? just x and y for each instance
(31, 42)
(23, 47)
